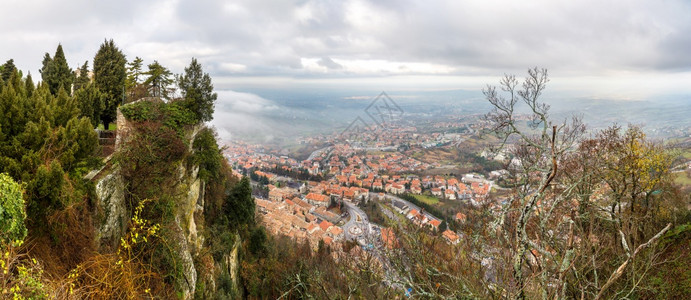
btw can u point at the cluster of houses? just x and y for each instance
(344, 160)
(346, 167)
(351, 175)
(289, 214)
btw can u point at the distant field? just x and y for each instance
(687, 154)
(427, 199)
(682, 179)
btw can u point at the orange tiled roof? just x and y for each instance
(324, 225)
(317, 197)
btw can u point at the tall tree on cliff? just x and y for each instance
(134, 87)
(134, 71)
(109, 76)
(158, 81)
(197, 91)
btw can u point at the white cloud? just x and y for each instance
(243, 114)
(233, 67)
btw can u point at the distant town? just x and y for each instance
(321, 198)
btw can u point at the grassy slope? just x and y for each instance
(427, 199)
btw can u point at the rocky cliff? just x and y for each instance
(186, 238)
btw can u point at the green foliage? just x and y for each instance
(8, 69)
(207, 154)
(46, 191)
(239, 205)
(65, 107)
(679, 232)
(222, 240)
(672, 278)
(197, 91)
(371, 208)
(225, 287)
(135, 89)
(83, 79)
(109, 77)
(258, 240)
(56, 73)
(159, 80)
(21, 277)
(134, 70)
(172, 115)
(91, 103)
(12, 212)
(29, 85)
(142, 111)
(76, 142)
(149, 160)
(42, 142)
(176, 116)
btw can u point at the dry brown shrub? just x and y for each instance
(125, 274)
(23, 277)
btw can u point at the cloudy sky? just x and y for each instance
(627, 49)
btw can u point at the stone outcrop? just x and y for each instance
(111, 209)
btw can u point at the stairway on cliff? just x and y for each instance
(106, 139)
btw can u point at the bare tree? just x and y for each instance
(552, 223)
(537, 154)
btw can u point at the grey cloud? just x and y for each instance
(329, 63)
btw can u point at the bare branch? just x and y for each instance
(617, 273)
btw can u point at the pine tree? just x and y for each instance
(134, 70)
(109, 77)
(197, 91)
(159, 80)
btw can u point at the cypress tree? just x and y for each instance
(109, 77)
(7, 70)
(56, 73)
(46, 70)
(29, 85)
(64, 77)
